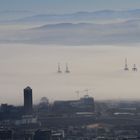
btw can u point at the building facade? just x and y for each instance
(28, 103)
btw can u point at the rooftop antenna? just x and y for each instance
(126, 66)
(59, 69)
(134, 68)
(67, 69)
(77, 92)
(87, 92)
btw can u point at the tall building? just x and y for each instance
(28, 104)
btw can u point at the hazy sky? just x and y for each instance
(65, 6)
(101, 69)
(97, 68)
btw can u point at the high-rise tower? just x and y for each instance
(28, 104)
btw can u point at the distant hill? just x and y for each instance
(11, 15)
(81, 28)
(81, 34)
(126, 23)
(96, 16)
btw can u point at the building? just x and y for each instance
(85, 104)
(27, 120)
(28, 104)
(6, 134)
(43, 135)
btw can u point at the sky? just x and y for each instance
(67, 6)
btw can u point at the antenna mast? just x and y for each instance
(59, 69)
(67, 69)
(134, 68)
(126, 66)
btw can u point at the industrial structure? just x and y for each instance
(126, 65)
(67, 69)
(59, 69)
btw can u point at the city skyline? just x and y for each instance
(69, 69)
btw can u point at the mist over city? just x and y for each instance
(94, 39)
(69, 70)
